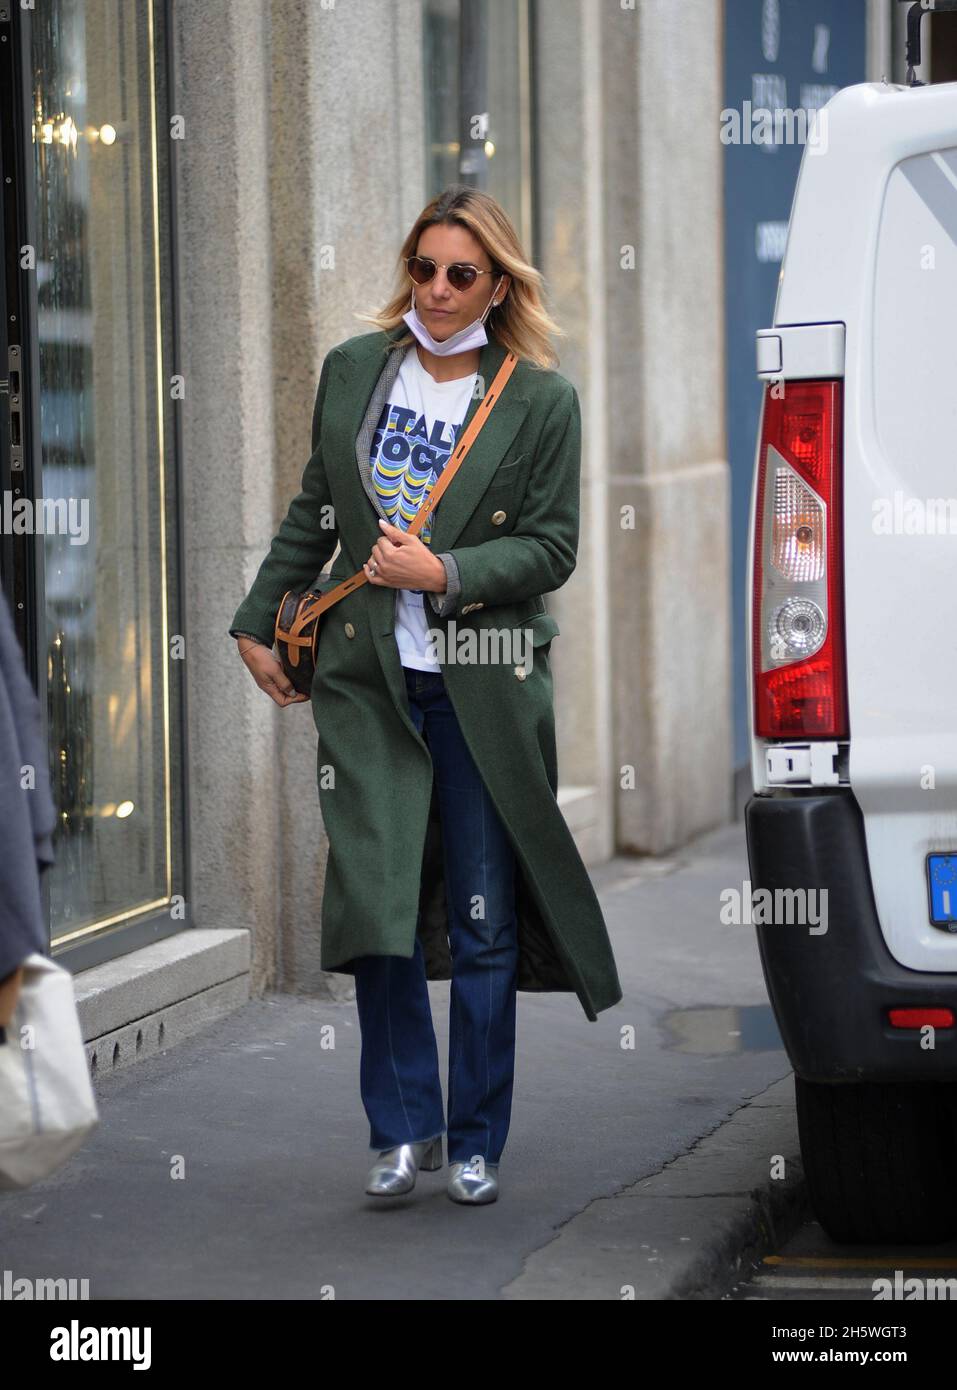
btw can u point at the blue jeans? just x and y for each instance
(399, 1066)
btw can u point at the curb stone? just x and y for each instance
(688, 1231)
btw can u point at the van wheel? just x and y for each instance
(876, 1159)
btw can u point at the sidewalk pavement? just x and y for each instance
(232, 1166)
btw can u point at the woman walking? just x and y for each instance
(449, 857)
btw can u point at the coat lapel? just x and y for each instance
(366, 379)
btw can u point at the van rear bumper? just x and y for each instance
(831, 992)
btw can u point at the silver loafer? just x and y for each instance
(468, 1183)
(394, 1171)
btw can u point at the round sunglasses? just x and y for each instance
(461, 275)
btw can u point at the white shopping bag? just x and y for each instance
(47, 1105)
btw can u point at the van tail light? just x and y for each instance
(921, 1018)
(798, 603)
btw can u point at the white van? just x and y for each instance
(852, 611)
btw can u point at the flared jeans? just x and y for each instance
(399, 1065)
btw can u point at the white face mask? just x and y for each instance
(473, 335)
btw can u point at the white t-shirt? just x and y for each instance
(414, 438)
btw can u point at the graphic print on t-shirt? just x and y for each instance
(408, 456)
(413, 441)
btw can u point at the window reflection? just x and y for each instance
(101, 438)
(477, 101)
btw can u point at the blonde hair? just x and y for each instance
(520, 323)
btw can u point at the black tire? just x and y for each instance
(878, 1160)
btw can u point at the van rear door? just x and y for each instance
(872, 246)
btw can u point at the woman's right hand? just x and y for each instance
(266, 670)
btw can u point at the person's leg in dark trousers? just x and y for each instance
(399, 1063)
(480, 871)
(399, 1060)
(399, 1077)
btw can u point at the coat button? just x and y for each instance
(498, 518)
(350, 630)
(521, 672)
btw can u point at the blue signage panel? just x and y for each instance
(782, 58)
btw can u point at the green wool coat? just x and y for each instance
(511, 519)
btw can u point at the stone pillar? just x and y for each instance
(301, 170)
(569, 145)
(668, 518)
(630, 189)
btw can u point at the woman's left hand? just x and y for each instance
(402, 561)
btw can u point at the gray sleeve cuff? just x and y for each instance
(446, 603)
(236, 632)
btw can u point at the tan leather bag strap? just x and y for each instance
(312, 608)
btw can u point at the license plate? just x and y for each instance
(942, 889)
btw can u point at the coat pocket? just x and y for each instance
(505, 474)
(530, 613)
(543, 628)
